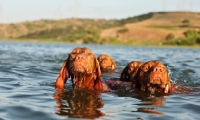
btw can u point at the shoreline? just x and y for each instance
(64, 42)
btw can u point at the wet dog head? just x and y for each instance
(82, 65)
(130, 71)
(153, 77)
(106, 63)
(82, 60)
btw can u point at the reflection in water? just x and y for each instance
(148, 99)
(149, 110)
(148, 102)
(155, 101)
(78, 103)
(86, 104)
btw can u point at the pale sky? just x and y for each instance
(14, 11)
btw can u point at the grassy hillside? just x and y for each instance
(157, 29)
(149, 29)
(67, 30)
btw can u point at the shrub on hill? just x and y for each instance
(192, 37)
(170, 36)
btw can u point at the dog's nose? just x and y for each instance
(158, 69)
(80, 57)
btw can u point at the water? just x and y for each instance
(28, 72)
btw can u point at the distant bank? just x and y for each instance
(152, 29)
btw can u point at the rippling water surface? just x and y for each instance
(28, 72)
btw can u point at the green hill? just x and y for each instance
(132, 30)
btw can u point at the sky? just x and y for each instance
(15, 11)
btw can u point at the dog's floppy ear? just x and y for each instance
(98, 83)
(63, 76)
(123, 74)
(113, 65)
(168, 87)
(134, 78)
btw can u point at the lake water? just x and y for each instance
(28, 72)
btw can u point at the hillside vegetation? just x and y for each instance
(158, 28)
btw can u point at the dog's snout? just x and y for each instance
(158, 69)
(80, 57)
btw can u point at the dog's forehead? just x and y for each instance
(149, 64)
(82, 50)
(77, 50)
(133, 64)
(104, 56)
(86, 50)
(159, 64)
(138, 63)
